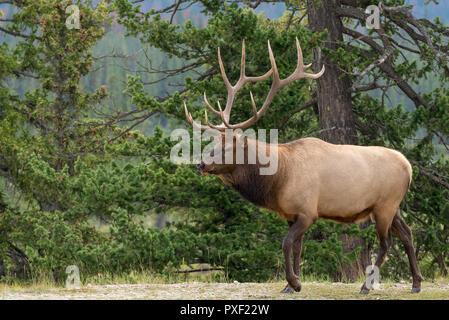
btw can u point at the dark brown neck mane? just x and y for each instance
(253, 186)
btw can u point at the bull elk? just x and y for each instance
(315, 179)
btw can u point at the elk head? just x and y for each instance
(228, 145)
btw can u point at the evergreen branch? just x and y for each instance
(305, 106)
(429, 173)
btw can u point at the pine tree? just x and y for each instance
(363, 63)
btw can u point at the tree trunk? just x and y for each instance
(19, 259)
(160, 221)
(336, 117)
(2, 209)
(2, 268)
(442, 265)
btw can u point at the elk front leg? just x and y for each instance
(293, 242)
(297, 247)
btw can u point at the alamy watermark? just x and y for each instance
(229, 147)
(73, 278)
(73, 21)
(373, 20)
(245, 153)
(372, 281)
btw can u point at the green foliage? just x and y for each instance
(69, 167)
(395, 125)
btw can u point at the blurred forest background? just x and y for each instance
(86, 116)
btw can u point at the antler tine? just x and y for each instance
(300, 64)
(219, 127)
(245, 124)
(188, 116)
(223, 72)
(273, 64)
(243, 77)
(209, 106)
(232, 90)
(304, 67)
(276, 85)
(242, 62)
(226, 122)
(254, 106)
(300, 68)
(316, 75)
(191, 121)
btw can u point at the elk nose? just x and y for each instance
(200, 166)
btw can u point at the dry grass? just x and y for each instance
(208, 290)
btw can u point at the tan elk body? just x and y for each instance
(316, 179)
(344, 183)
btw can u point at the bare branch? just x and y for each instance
(174, 11)
(429, 173)
(387, 67)
(305, 106)
(16, 34)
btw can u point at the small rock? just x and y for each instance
(236, 282)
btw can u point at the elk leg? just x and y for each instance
(384, 235)
(384, 245)
(297, 247)
(403, 232)
(297, 230)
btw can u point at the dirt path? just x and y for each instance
(200, 290)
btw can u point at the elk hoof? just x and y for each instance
(416, 290)
(287, 289)
(364, 291)
(298, 288)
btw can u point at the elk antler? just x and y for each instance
(276, 85)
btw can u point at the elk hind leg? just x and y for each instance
(403, 232)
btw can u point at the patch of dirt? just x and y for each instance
(226, 291)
